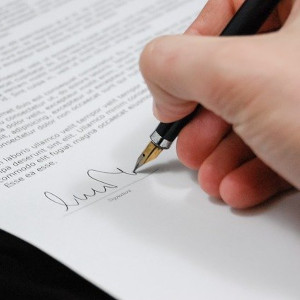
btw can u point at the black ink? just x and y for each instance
(120, 171)
(102, 189)
(54, 198)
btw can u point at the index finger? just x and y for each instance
(217, 13)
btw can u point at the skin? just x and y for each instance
(245, 141)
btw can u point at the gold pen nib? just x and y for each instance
(150, 153)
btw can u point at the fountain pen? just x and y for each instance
(247, 20)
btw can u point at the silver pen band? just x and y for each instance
(159, 141)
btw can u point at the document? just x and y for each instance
(75, 115)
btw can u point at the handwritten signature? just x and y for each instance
(102, 188)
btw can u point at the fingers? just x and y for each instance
(251, 184)
(200, 137)
(214, 17)
(229, 155)
(228, 169)
(217, 13)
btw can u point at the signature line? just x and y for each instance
(108, 195)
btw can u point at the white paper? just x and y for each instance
(75, 114)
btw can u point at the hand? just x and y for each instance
(245, 141)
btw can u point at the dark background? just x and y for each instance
(28, 273)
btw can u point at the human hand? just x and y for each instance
(245, 140)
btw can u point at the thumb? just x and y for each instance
(222, 74)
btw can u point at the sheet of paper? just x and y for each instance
(74, 116)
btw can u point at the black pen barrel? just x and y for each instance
(250, 17)
(170, 131)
